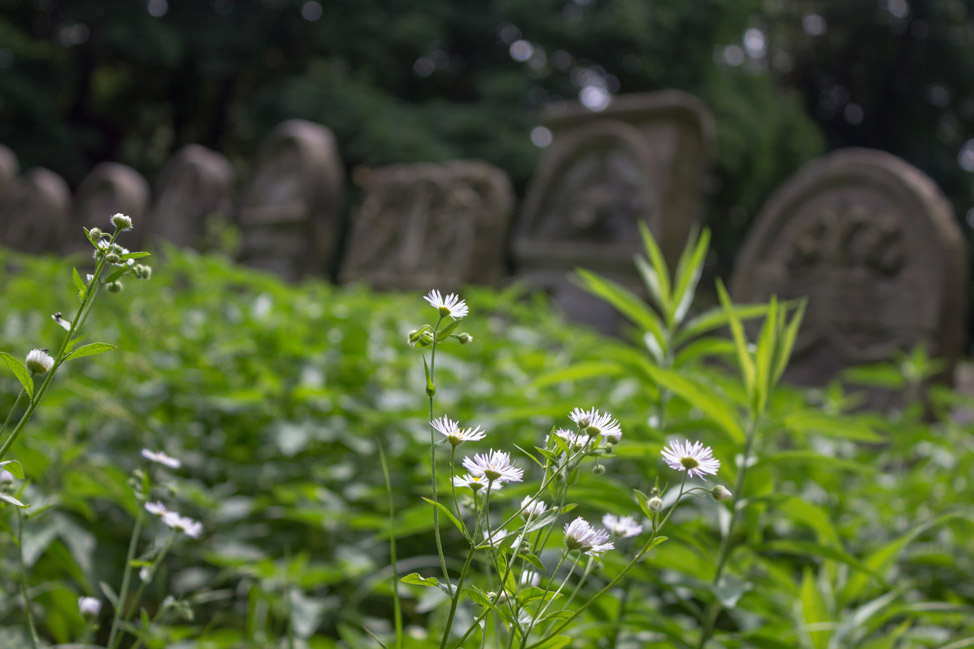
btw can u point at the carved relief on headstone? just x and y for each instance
(35, 213)
(430, 225)
(193, 189)
(9, 167)
(873, 244)
(290, 213)
(641, 159)
(108, 189)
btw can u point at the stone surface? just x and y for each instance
(108, 189)
(35, 213)
(423, 226)
(290, 215)
(194, 187)
(641, 159)
(9, 167)
(874, 245)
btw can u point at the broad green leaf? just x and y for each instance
(445, 332)
(74, 343)
(14, 468)
(90, 349)
(815, 612)
(20, 371)
(78, 283)
(13, 501)
(819, 423)
(716, 317)
(134, 255)
(449, 514)
(416, 579)
(709, 403)
(764, 356)
(110, 594)
(556, 642)
(628, 304)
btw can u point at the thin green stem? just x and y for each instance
(78, 320)
(162, 610)
(397, 605)
(621, 617)
(12, 409)
(547, 605)
(724, 552)
(23, 581)
(126, 578)
(436, 512)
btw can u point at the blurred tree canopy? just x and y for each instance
(132, 80)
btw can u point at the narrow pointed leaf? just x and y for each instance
(688, 272)
(13, 501)
(20, 371)
(90, 349)
(416, 579)
(628, 304)
(744, 360)
(658, 261)
(709, 403)
(449, 514)
(787, 341)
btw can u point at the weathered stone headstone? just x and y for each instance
(873, 244)
(290, 212)
(9, 167)
(108, 189)
(430, 225)
(35, 213)
(641, 159)
(194, 187)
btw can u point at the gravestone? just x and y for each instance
(35, 213)
(873, 243)
(9, 167)
(642, 159)
(194, 188)
(430, 225)
(108, 189)
(290, 215)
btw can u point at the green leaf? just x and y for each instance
(578, 372)
(74, 343)
(716, 317)
(90, 349)
(643, 501)
(811, 549)
(445, 332)
(556, 642)
(536, 460)
(628, 304)
(787, 341)
(819, 423)
(708, 402)
(533, 560)
(20, 371)
(662, 271)
(16, 470)
(13, 501)
(688, 271)
(764, 356)
(815, 612)
(449, 514)
(430, 388)
(416, 579)
(744, 360)
(109, 593)
(134, 255)
(78, 283)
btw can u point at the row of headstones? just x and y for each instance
(868, 238)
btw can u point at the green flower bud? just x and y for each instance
(654, 504)
(114, 287)
(465, 338)
(598, 469)
(113, 258)
(96, 233)
(720, 492)
(122, 222)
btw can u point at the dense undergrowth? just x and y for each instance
(854, 531)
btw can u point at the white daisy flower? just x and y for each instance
(474, 482)
(161, 458)
(531, 508)
(183, 524)
(622, 526)
(530, 578)
(579, 535)
(451, 305)
(89, 606)
(156, 508)
(495, 466)
(452, 431)
(39, 361)
(696, 459)
(572, 439)
(594, 423)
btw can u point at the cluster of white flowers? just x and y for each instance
(496, 466)
(593, 422)
(172, 519)
(161, 458)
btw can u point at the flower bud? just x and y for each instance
(413, 336)
(720, 492)
(122, 222)
(39, 361)
(114, 287)
(598, 469)
(654, 504)
(465, 338)
(426, 338)
(96, 233)
(113, 258)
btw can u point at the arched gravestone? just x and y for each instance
(873, 244)
(424, 226)
(108, 189)
(195, 186)
(35, 213)
(641, 159)
(290, 213)
(9, 167)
